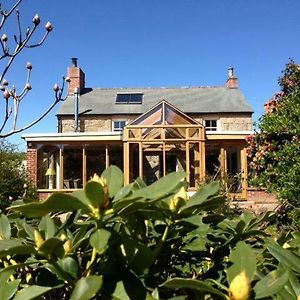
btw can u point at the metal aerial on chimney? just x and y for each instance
(76, 99)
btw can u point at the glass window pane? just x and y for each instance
(48, 168)
(95, 161)
(72, 168)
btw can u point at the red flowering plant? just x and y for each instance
(274, 151)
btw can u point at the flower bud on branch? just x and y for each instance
(48, 26)
(36, 20)
(56, 88)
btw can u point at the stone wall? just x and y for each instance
(92, 123)
(226, 122)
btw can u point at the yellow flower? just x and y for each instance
(174, 202)
(67, 246)
(38, 239)
(240, 287)
(99, 179)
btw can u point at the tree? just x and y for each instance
(274, 151)
(13, 182)
(10, 48)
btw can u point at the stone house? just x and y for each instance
(147, 132)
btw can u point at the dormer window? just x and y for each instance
(211, 125)
(128, 98)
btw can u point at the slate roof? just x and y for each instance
(187, 99)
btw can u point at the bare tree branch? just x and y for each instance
(12, 98)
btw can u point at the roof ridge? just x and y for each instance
(160, 88)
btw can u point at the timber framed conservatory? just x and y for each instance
(161, 141)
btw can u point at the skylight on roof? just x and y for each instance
(136, 98)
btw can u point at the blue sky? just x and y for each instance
(142, 43)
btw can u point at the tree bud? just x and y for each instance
(2, 88)
(56, 87)
(36, 20)
(68, 79)
(6, 94)
(5, 82)
(4, 38)
(29, 66)
(28, 86)
(48, 26)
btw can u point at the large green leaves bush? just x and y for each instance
(13, 176)
(274, 151)
(111, 241)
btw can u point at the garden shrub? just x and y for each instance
(143, 242)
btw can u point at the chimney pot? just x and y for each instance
(74, 61)
(230, 72)
(232, 81)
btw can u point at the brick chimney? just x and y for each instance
(77, 77)
(232, 81)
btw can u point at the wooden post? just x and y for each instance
(140, 160)
(223, 162)
(164, 158)
(126, 161)
(187, 162)
(244, 169)
(106, 156)
(83, 166)
(202, 160)
(61, 169)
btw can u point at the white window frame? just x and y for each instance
(211, 128)
(118, 129)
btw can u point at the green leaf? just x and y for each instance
(284, 256)
(47, 225)
(9, 289)
(204, 199)
(243, 259)
(81, 196)
(120, 292)
(135, 255)
(57, 202)
(203, 194)
(11, 247)
(4, 276)
(5, 229)
(94, 192)
(114, 179)
(69, 265)
(99, 240)
(29, 230)
(52, 246)
(32, 292)
(86, 288)
(163, 187)
(193, 284)
(270, 284)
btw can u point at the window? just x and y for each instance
(118, 125)
(210, 125)
(136, 98)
